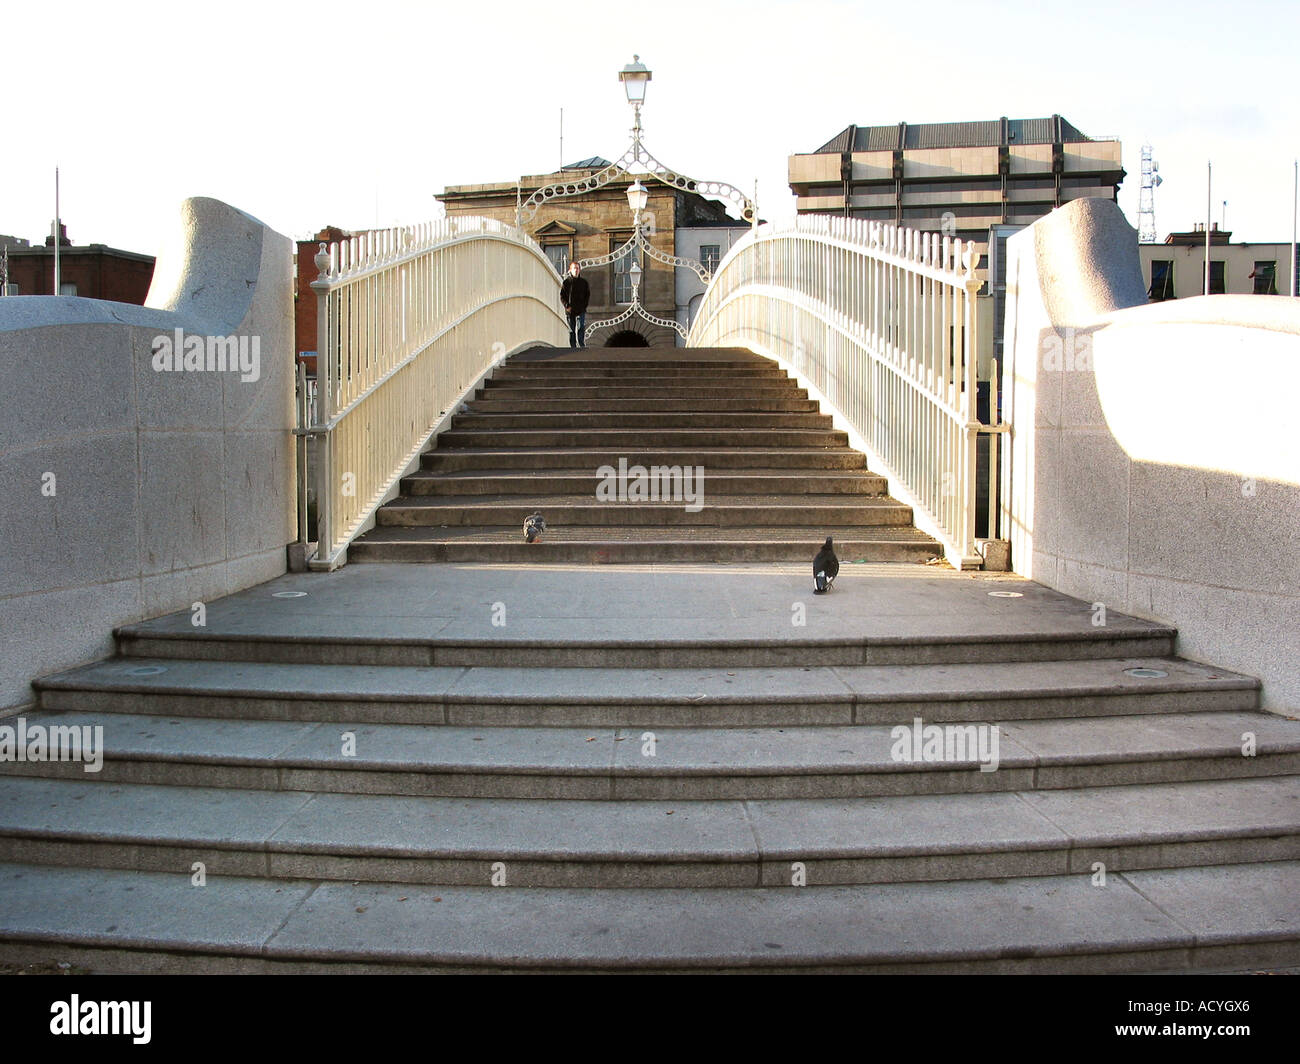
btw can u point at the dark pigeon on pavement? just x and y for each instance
(826, 568)
(534, 526)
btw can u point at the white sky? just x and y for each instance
(317, 112)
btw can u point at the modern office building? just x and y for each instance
(959, 178)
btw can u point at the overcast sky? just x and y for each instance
(317, 112)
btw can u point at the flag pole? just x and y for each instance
(57, 286)
(1209, 212)
(1295, 198)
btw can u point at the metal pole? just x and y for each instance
(1295, 198)
(1208, 212)
(58, 287)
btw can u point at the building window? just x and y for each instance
(559, 256)
(1162, 280)
(1265, 277)
(711, 255)
(622, 270)
(1216, 278)
(68, 288)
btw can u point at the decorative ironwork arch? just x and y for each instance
(635, 155)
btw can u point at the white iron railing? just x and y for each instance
(882, 321)
(407, 321)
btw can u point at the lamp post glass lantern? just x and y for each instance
(637, 197)
(635, 76)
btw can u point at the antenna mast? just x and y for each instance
(1151, 180)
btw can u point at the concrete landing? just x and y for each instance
(661, 604)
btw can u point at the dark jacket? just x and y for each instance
(575, 293)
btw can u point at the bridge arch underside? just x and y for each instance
(633, 331)
(626, 336)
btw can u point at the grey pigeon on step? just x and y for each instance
(534, 526)
(826, 568)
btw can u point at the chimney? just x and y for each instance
(64, 242)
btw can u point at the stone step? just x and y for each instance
(595, 371)
(648, 844)
(1185, 919)
(507, 403)
(667, 387)
(327, 648)
(652, 390)
(584, 482)
(747, 459)
(747, 369)
(699, 510)
(497, 694)
(484, 422)
(653, 358)
(630, 438)
(668, 764)
(640, 545)
(663, 356)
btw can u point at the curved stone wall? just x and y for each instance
(1155, 463)
(130, 489)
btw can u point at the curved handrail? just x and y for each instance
(881, 321)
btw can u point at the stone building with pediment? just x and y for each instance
(591, 225)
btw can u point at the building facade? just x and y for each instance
(591, 225)
(304, 298)
(1175, 269)
(92, 270)
(958, 178)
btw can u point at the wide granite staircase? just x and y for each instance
(303, 785)
(777, 477)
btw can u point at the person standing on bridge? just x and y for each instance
(575, 293)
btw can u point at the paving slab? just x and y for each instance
(245, 679)
(1174, 812)
(77, 810)
(1153, 737)
(1227, 903)
(893, 826)
(1035, 679)
(143, 910)
(500, 829)
(757, 928)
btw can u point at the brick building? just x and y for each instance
(304, 299)
(93, 270)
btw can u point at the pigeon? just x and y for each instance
(825, 568)
(534, 526)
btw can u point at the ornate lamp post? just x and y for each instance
(635, 76)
